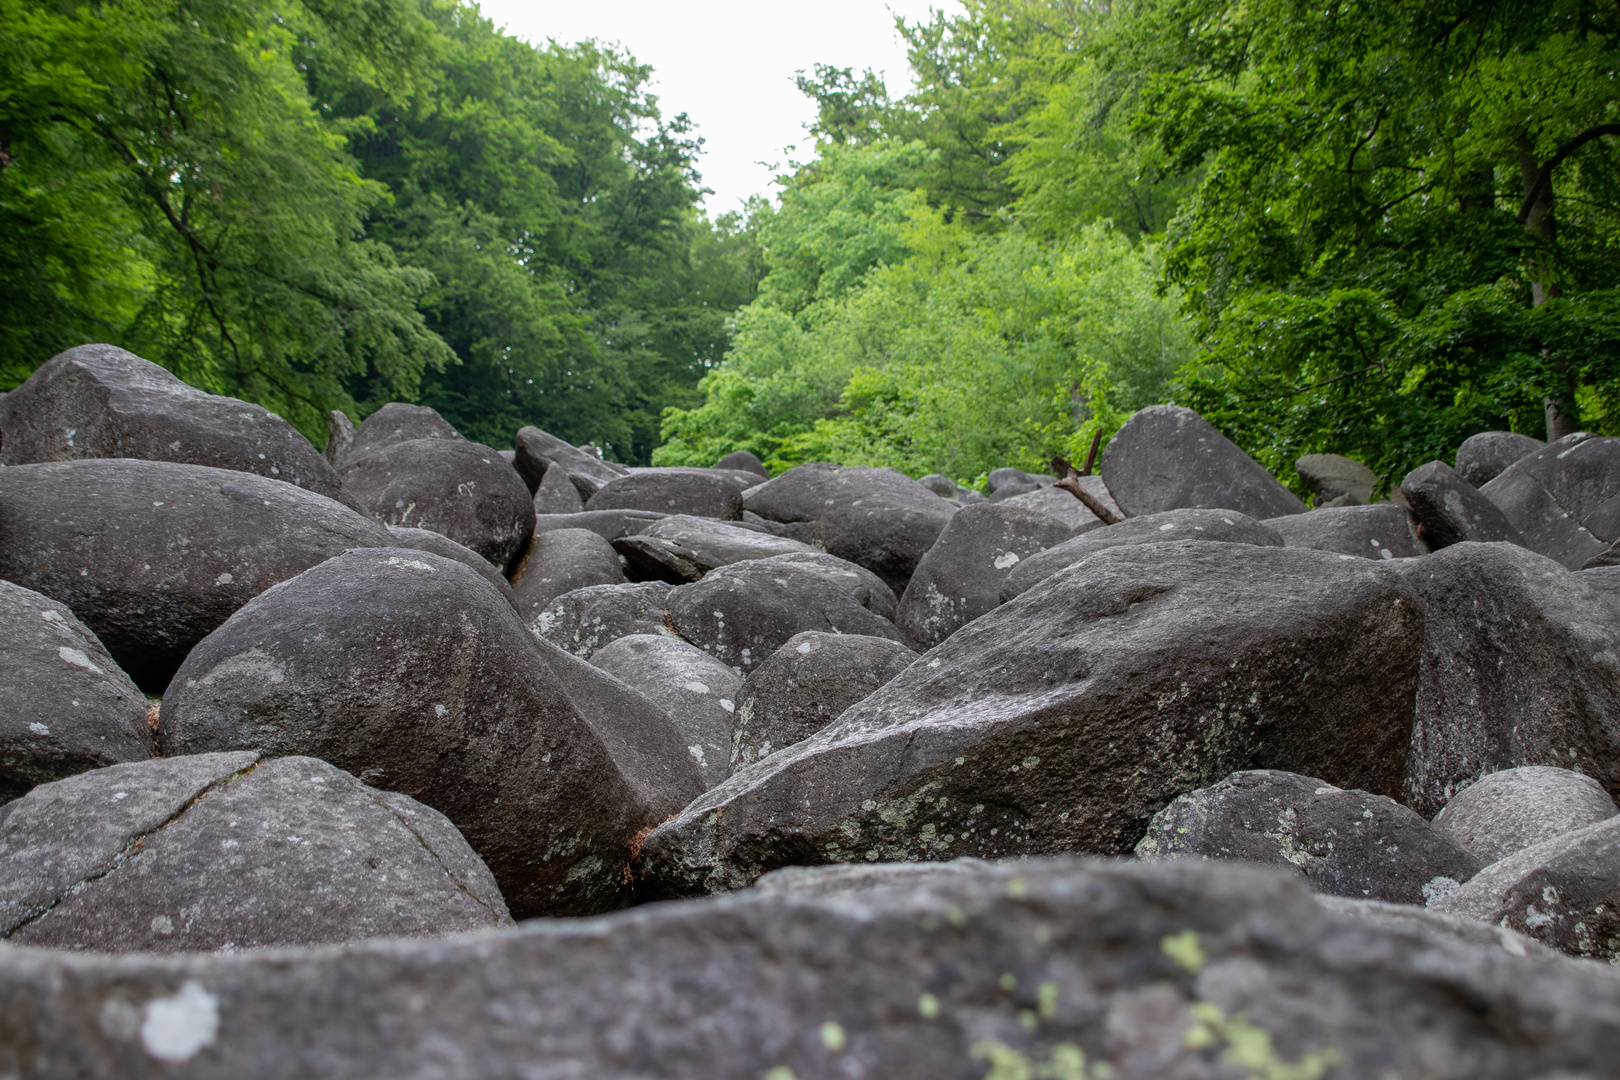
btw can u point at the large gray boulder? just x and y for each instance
(744, 612)
(1167, 457)
(398, 422)
(556, 494)
(582, 621)
(806, 685)
(608, 524)
(462, 489)
(743, 461)
(1065, 719)
(1563, 892)
(98, 401)
(538, 451)
(961, 576)
(1058, 503)
(1449, 510)
(683, 548)
(413, 673)
(1380, 531)
(697, 691)
(710, 493)
(1212, 526)
(153, 555)
(64, 704)
(1347, 843)
(1483, 457)
(1336, 477)
(1564, 499)
(560, 561)
(1036, 969)
(224, 851)
(427, 540)
(1508, 811)
(877, 518)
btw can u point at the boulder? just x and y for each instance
(339, 437)
(557, 495)
(1334, 476)
(1518, 667)
(1213, 526)
(876, 518)
(1167, 457)
(1001, 479)
(1380, 531)
(411, 672)
(426, 540)
(1563, 892)
(153, 555)
(538, 451)
(1346, 843)
(805, 685)
(712, 493)
(743, 461)
(962, 575)
(1055, 502)
(1505, 812)
(223, 851)
(1564, 499)
(582, 621)
(98, 401)
(697, 691)
(1065, 719)
(608, 524)
(398, 422)
(683, 548)
(560, 561)
(744, 612)
(1483, 457)
(451, 486)
(805, 532)
(940, 485)
(1449, 510)
(64, 704)
(1039, 969)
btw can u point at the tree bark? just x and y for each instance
(1540, 221)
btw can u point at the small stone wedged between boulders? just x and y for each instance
(285, 852)
(1482, 458)
(962, 575)
(1564, 499)
(1167, 457)
(559, 561)
(413, 673)
(1508, 811)
(1216, 526)
(99, 401)
(65, 706)
(697, 691)
(153, 556)
(806, 685)
(1346, 843)
(1380, 531)
(582, 621)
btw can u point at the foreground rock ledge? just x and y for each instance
(1156, 970)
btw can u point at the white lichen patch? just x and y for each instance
(176, 1027)
(78, 659)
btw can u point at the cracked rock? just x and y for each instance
(221, 851)
(1563, 499)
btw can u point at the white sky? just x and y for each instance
(729, 65)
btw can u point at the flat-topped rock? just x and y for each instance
(711, 493)
(683, 548)
(1380, 531)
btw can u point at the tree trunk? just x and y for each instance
(1541, 222)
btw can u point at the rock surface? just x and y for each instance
(462, 489)
(1508, 811)
(64, 704)
(587, 619)
(683, 548)
(153, 556)
(411, 672)
(1564, 499)
(426, 540)
(1381, 531)
(1060, 504)
(1167, 457)
(961, 576)
(806, 685)
(1334, 476)
(1063, 720)
(712, 493)
(98, 401)
(876, 518)
(560, 561)
(227, 852)
(1215, 526)
(538, 451)
(556, 494)
(1563, 892)
(608, 524)
(743, 461)
(398, 422)
(1449, 510)
(743, 613)
(1482, 458)
(697, 691)
(339, 437)
(1039, 970)
(1347, 843)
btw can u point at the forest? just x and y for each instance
(1370, 228)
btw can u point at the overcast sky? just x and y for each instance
(729, 65)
